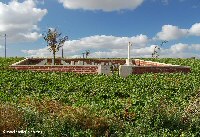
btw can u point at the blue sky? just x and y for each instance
(103, 27)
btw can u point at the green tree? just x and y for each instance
(54, 41)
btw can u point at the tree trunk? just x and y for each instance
(54, 57)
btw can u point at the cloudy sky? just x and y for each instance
(102, 26)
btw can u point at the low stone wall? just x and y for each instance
(58, 68)
(125, 71)
(139, 62)
(98, 66)
(160, 69)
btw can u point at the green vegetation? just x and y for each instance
(67, 104)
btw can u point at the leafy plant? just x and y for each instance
(69, 104)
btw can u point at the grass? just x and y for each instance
(67, 104)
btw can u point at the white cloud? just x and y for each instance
(180, 47)
(99, 44)
(1, 47)
(181, 50)
(1, 50)
(103, 41)
(102, 46)
(44, 52)
(196, 47)
(32, 36)
(165, 2)
(40, 2)
(104, 5)
(19, 20)
(195, 29)
(170, 32)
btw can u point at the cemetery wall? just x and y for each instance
(160, 69)
(59, 68)
(90, 66)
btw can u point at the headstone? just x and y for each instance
(63, 62)
(85, 63)
(125, 71)
(72, 62)
(80, 62)
(102, 69)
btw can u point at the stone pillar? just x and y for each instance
(129, 61)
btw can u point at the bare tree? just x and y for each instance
(83, 55)
(54, 41)
(87, 52)
(156, 48)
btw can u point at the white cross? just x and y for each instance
(129, 45)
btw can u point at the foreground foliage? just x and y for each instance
(67, 104)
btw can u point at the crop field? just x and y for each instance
(67, 104)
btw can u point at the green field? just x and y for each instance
(67, 104)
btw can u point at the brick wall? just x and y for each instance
(160, 69)
(139, 66)
(48, 68)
